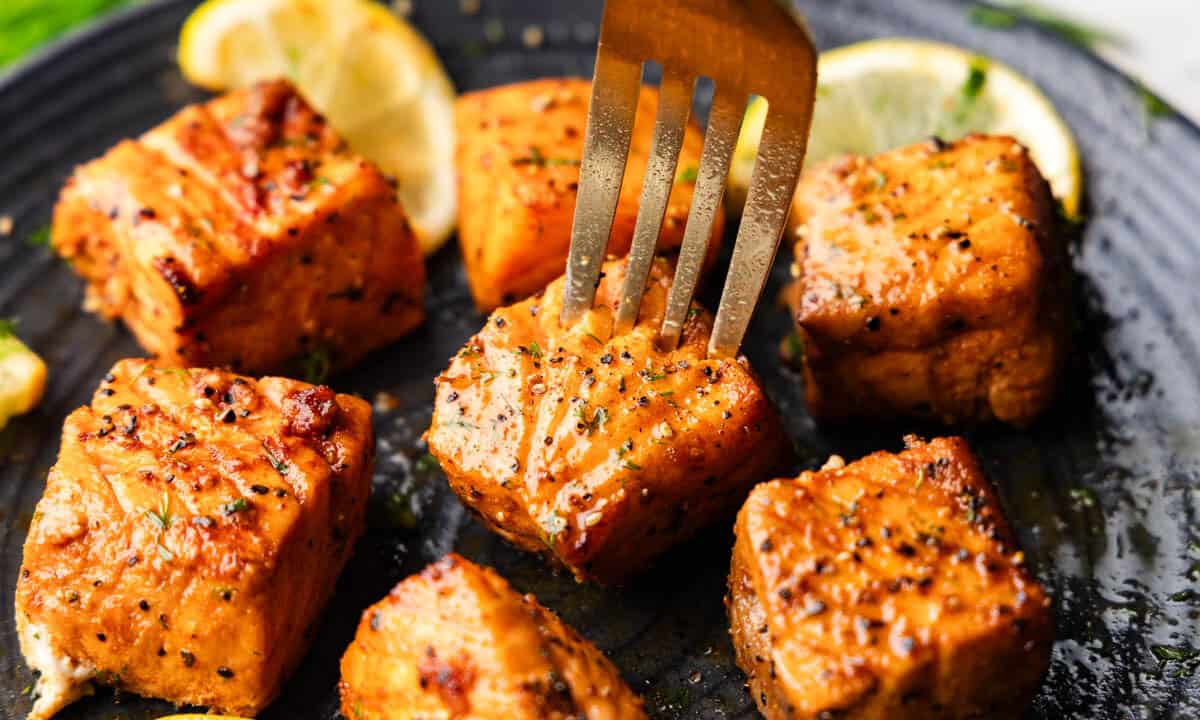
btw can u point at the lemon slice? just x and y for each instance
(882, 94)
(22, 376)
(377, 80)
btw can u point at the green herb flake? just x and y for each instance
(597, 420)
(235, 506)
(39, 237)
(280, 466)
(316, 365)
(427, 463)
(593, 337)
(626, 446)
(162, 517)
(1185, 660)
(688, 174)
(1083, 497)
(630, 465)
(534, 350)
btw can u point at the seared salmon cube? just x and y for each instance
(931, 281)
(890, 587)
(457, 641)
(600, 451)
(243, 233)
(189, 535)
(519, 148)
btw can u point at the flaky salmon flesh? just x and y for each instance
(189, 535)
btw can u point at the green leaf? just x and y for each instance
(1072, 31)
(27, 24)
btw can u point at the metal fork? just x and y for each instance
(745, 47)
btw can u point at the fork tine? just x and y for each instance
(724, 120)
(776, 171)
(674, 106)
(605, 149)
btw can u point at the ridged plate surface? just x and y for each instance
(1103, 492)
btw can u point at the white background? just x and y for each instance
(1161, 43)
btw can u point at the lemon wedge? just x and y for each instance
(370, 73)
(882, 94)
(22, 376)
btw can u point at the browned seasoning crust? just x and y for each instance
(885, 589)
(518, 157)
(932, 281)
(189, 535)
(243, 233)
(457, 642)
(600, 451)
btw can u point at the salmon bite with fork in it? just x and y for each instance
(600, 451)
(243, 233)
(189, 535)
(932, 281)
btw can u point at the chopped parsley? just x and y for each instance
(688, 174)
(316, 365)
(595, 422)
(235, 506)
(1186, 660)
(426, 463)
(280, 466)
(534, 350)
(630, 465)
(162, 517)
(1083, 497)
(535, 157)
(39, 237)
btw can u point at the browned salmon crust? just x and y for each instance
(886, 589)
(518, 157)
(600, 451)
(189, 535)
(932, 281)
(243, 233)
(456, 641)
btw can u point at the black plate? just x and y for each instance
(1103, 492)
